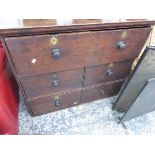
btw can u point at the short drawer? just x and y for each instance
(45, 85)
(41, 54)
(106, 73)
(54, 103)
(101, 91)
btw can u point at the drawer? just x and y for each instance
(41, 54)
(106, 73)
(101, 91)
(46, 85)
(54, 103)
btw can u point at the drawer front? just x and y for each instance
(106, 73)
(41, 54)
(46, 85)
(54, 103)
(101, 91)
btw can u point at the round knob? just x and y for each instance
(121, 45)
(55, 83)
(57, 102)
(109, 72)
(56, 53)
(102, 92)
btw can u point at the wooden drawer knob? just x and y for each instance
(102, 92)
(55, 82)
(57, 101)
(109, 72)
(56, 53)
(121, 45)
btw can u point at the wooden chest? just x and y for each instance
(58, 67)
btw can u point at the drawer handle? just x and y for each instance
(57, 101)
(102, 92)
(121, 45)
(56, 53)
(55, 82)
(109, 72)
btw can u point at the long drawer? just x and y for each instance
(49, 84)
(41, 54)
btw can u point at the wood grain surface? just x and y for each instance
(87, 52)
(41, 86)
(46, 104)
(99, 74)
(78, 50)
(101, 91)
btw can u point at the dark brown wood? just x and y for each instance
(101, 91)
(83, 51)
(99, 74)
(46, 105)
(78, 50)
(41, 86)
(24, 30)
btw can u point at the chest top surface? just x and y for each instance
(44, 26)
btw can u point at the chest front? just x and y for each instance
(60, 70)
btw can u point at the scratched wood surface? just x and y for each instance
(77, 51)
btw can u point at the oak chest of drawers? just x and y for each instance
(57, 67)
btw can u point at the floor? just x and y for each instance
(95, 118)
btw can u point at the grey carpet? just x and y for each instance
(95, 118)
